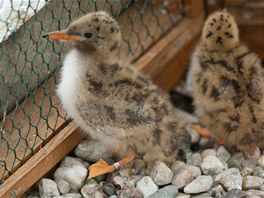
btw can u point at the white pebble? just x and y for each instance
(48, 188)
(208, 152)
(127, 181)
(63, 186)
(223, 154)
(161, 174)
(74, 175)
(70, 161)
(185, 175)
(146, 186)
(212, 165)
(231, 179)
(252, 182)
(195, 159)
(176, 165)
(201, 184)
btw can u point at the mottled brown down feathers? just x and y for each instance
(111, 100)
(228, 84)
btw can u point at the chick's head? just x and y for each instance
(220, 31)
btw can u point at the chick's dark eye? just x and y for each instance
(88, 35)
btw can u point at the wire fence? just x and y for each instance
(29, 65)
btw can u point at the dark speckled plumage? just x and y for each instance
(228, 84)
(114, 102)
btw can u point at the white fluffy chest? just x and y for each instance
(72, 72)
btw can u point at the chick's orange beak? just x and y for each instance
(61, 35)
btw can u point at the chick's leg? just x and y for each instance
(101, 167)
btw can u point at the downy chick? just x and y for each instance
(228, 84)
(111, 100)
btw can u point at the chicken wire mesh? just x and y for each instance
(29, 65)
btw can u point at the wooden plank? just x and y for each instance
(246, 16)
(26, 128)
(42, 162)
(194, 7)
(215, 5)
(174, 72)
(155, 61)
(235, 2)
(253, 36)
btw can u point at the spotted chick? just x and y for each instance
(228, 84)
(112, 101)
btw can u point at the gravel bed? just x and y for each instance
(203, 169)
(206, 172)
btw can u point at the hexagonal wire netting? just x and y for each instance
(29, 65)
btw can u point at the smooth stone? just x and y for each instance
(126, 181)
(246, 171)
(262, 188)
(146, 186)
(258, 171)
(129, 193)
(74, 175)
(100, 178)
(201, 184)
(208, 152)
(161, 174)
(252, 182)
(109, 188)
(202, 195)
(48, 188)
(185, 175)
(236, 161)
(252, 192)
(261, 161)
(167, 191)
(127, 172)
(254, 155)
(211, 165)
(113, 196)
(110, 176)
(223, 154)
(63, 186)
(218, 191)
(195, 159)
(89, 189)
(182, 195)
(139, 164)
(71, 195)
(236, 193)
(176, 165)
(99, 194)
(250, 163)
(92, 151)
(70, 161)
(231, 179)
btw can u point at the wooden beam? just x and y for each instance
(43, 161)
(194, 7)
